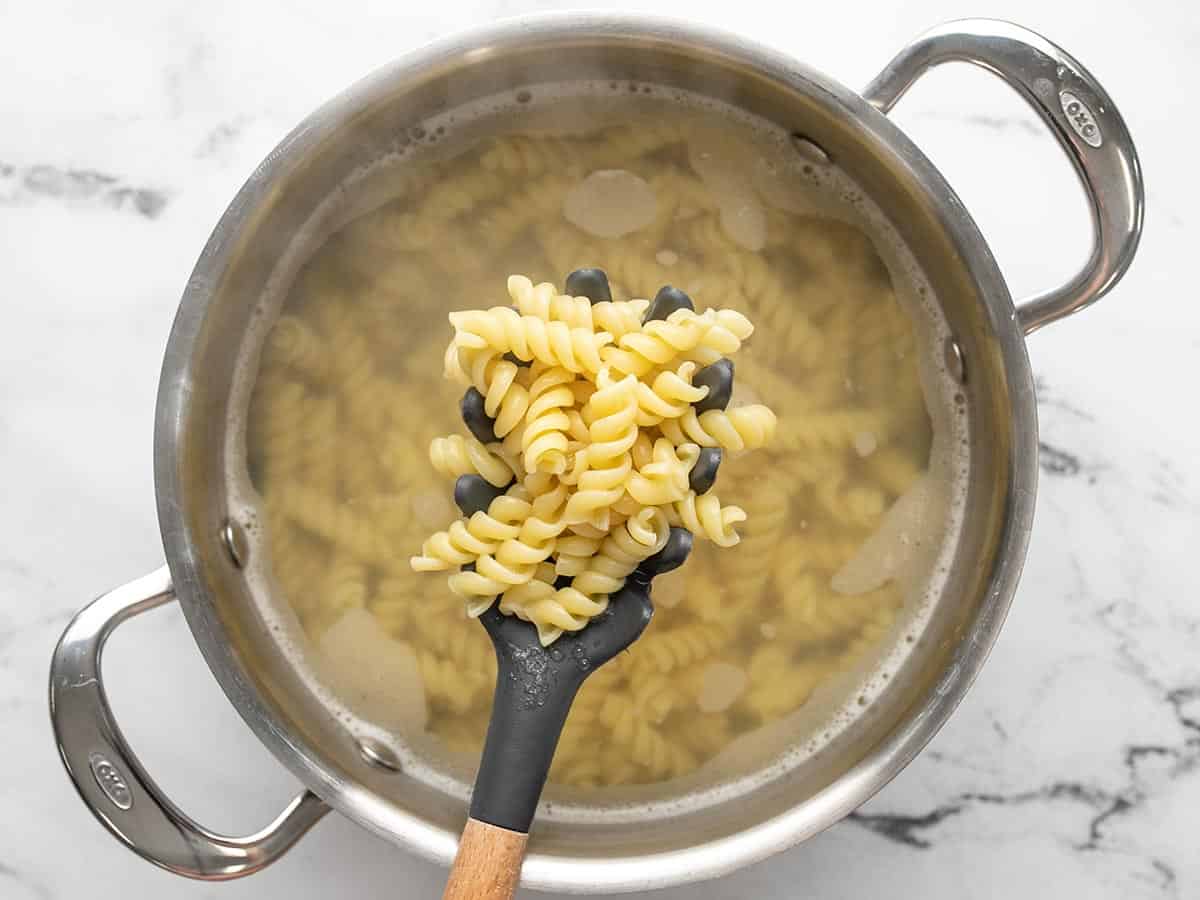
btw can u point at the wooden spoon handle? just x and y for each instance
(488, 864)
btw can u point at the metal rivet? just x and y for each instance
(235, 543)
(378, 755)
(955, 364)
(809, 149)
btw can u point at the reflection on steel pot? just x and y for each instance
(205, 552)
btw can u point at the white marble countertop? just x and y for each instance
(1073, 767)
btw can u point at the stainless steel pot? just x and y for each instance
(203, 550)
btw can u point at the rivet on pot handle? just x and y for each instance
(109, 777)
(1080, 114)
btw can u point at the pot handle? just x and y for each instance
(108, 776)
(1080, 114)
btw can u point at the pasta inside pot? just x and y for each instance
(758, 653)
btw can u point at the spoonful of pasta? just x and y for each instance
(597, 431)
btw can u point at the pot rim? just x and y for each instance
(633, 872)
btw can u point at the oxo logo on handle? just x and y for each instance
(111, 781)
(1081, 119)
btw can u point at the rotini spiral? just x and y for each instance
(322, 451)
(662, 758)
(619, 317)
(347, 584)
(400, 230)
(663, 478)
(448, 686)
(623, 144)
(834, 429)
(326, 517)
(505, 398)
(529, 156)
(551, 611)
(751, 564)
(818, 614)
(467, 539)
(294, 345)
(670, 396)
(543, 301)
(566, 247)
(504, 222)
(740, 428)
(544, 439)
(518, 557)
(789, 333)
(828, 553)
(616, 318)
(574, 550)
(455, 455)
(683, 331)
(612, 412)
(451, 197)
(637, 273)
(683, 646)
(359, 471)
(504, 330)
(780, 684)
(656, 697)
(362, 392)
(639, 537)
(705, 517)
(278, 429)
(855, 505)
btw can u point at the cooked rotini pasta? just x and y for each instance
(502, 330)
(742, 428)
(683, 332)
(456, 455)
(705, 517)
(544, 438)
(294, 345)
(767, 508)
(519, 556)
(685, 646)
(587, 460)
(669, 396)
(499, 380)
(277, 433)
(597, 420)
(505, 221)
(639, 537)
(529, 156)
(577, 453)
(642, 741)
(482, 533)
(663, 478)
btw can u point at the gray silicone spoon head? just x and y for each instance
(536, 685)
